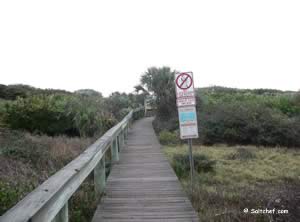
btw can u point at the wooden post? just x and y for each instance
(99, 177)
(115, 151)
(123, 137)
(63, 214)
(126, 131)
(118, 143)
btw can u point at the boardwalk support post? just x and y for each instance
(118, 143)
(63, 215)
(99, 177)
(123, 137)
(126, 132)
(115, 151)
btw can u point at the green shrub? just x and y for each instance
(202, 163)
(89, 115)
(42, 114)
(248, 123)
(168, 138)
(119, 104)
(59, 114)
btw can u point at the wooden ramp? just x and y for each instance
(143, 186)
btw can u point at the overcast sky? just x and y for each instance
(107, 45)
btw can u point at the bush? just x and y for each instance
(89, 115)
(42, 114)
(248, 123)
(168, 138)
(119, 104)
(59, 114)
(202, 163)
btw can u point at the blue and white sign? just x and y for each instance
(187, 116)
(188, 122)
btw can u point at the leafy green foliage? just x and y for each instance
(59, 114)
(54, 112)
(116, 102)
(42, 114)
(247, 121)
(119, 104)
(89, 115)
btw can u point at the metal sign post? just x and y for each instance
(186, 102)
(192, 167)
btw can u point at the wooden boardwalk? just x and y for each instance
(142, 186)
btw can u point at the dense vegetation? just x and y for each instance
(232, 116)
(53, 112)
(42, 130)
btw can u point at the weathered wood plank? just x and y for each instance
(115, 151)
(142, 186)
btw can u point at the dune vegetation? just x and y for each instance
(256, 165)
(43, 130)
(229, 179)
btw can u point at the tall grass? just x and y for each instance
(27, 160)
(243, 177)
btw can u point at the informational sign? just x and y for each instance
(185, 93)
(186, 103)
(188, 122)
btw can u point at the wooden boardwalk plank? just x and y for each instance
(142, 186)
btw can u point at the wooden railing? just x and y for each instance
(49, 201)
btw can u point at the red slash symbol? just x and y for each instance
(184, 81)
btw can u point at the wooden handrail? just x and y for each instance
(49, 201)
